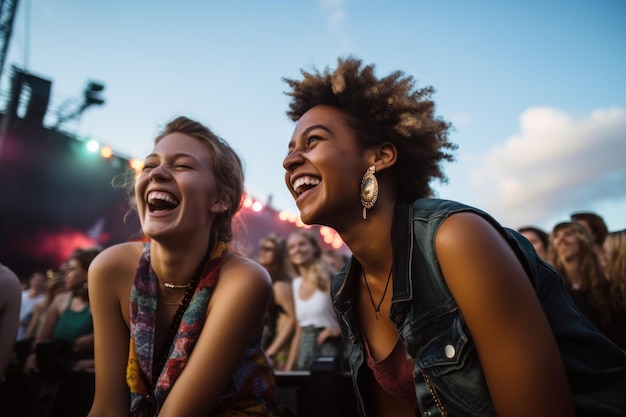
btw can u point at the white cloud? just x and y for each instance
(557, 163)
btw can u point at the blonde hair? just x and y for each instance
(593, 282)
(318, 272)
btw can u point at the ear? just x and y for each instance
(385, 156)
(219, 206)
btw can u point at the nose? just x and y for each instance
(159, 173)
(292, 160)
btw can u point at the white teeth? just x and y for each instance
(160, 195)
(305, 181)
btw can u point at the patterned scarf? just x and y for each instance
(251, 388)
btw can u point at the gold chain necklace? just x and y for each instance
(369, 291)
(173, 286)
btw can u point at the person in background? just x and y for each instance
(539, 239)
(10, 299)
(615, 255)
(69, 315)
(437, 308)
(615, 269)
(178, 319)
(572, 253)
(56, 285)
(35, 293)
(280, 316)
(597, 228)
(334, 259)
(317, 332)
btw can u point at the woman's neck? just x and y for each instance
(305, 270)
(370, 240)
(176, 265)
(573, 273)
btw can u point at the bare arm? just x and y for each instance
(294, 350)
(110, 280)
(283, 296)
(52, 317)
(10, 300)
(47, 329)
(38, 310)
(234, 319)
(334, 331)
(516, 347)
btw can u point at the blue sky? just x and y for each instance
(536, 90)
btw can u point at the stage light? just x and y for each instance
(106, 152)
(247, 201)
(135, 164)
(93, 94)
(93, 145)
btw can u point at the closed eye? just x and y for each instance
(312, 139)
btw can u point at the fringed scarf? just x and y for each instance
(251, 388)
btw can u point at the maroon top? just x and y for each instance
(394, 373)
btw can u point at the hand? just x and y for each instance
(270, 357)
(326, 333)
(83, 365)
(30, 365)
(84, 344)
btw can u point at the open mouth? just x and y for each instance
(160, 201)
(305, 183)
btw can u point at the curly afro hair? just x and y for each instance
(388, 109)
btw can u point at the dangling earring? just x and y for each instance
(369, 190)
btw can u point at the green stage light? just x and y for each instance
(93, 145)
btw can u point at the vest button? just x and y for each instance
(450, 352)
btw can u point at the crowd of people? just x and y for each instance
(592, 262)
(437, 309)
(54, 338)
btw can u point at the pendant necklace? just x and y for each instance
(377, 307)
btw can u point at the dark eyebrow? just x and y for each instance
(310, 128)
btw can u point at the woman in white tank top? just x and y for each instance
(317, 333)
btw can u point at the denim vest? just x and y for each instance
(448, 374)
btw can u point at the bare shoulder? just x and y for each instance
(478, 264)
(59, 302)
(10, 284)
(237, 264)
(282, 286)
(461, 229)
(240, 272)
(115, 262)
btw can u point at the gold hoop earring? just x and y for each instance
(369, 190)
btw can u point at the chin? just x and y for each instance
(315, 217)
